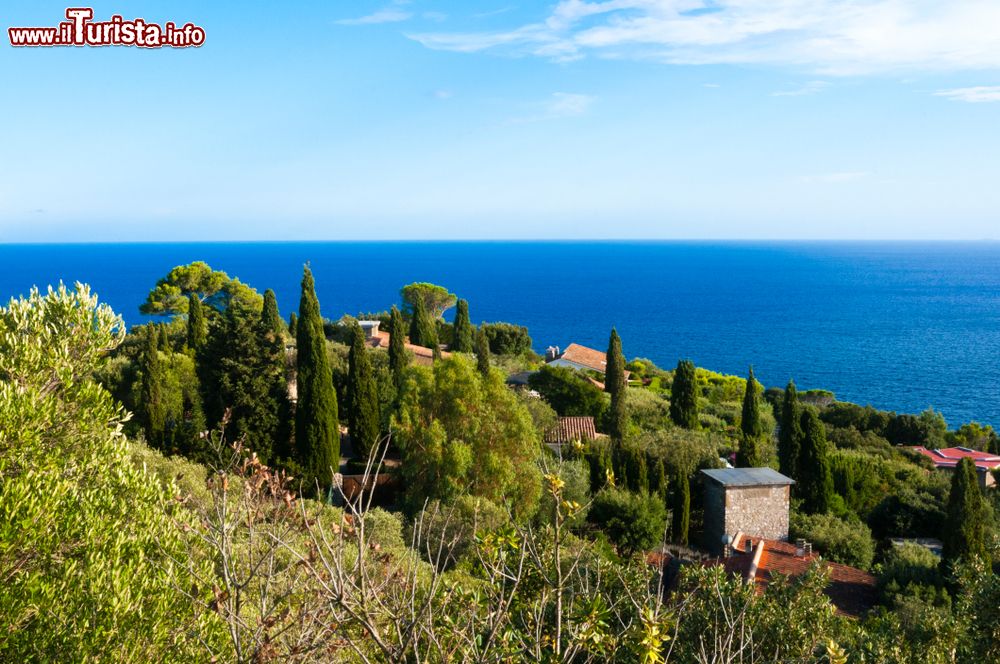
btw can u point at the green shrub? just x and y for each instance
(634, 522)
(507, 339)
(839, 540)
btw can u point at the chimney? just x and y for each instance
(551, 353)
(749, 545)
(807, 549)
(800, 548)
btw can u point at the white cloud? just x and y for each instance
(974, 95)
(810, 88)
(387, 15)
(836, 37)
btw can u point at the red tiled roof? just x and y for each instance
(850, 589)
(421, 355)
(950, 456)
(570, 429)
(587, 357)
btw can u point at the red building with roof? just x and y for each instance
(948, 458)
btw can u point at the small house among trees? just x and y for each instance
(580, 358)
(569, 430)
(753, 501)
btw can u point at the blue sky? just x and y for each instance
(751, 119)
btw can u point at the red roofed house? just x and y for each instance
(568, 430)
(580, 358)
(379, 339)
(948, 458)
(758, 561)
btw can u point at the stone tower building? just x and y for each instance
(752, 501)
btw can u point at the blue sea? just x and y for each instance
(901, 326)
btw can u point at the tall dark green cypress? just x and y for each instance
(197, 326)
(397, 347)
(151, 389)
(684, 396)
(462, 341)
(423, 330)
(614, 384)
(750, 454)
(164, 338)
(790, 432)
(293, 324)
(482, 352)
(658, 481)
(965, 529)
(317, 433)
(273, 363)
(681, 508)
(815, 480)
(363, 415)
(270, 317)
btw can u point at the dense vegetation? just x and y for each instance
(209, 525)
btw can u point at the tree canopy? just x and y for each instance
(214, 288)
(460, 432)
(684, 396)
(436, 299)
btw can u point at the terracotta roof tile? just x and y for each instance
(588, 357)
(950, 456)
(569, 429)
(850, 589)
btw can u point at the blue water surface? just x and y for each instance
(901, 326)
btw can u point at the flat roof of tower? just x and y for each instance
(748, 477)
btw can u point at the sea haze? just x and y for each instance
(902, 326)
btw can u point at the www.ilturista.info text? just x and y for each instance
(81, 30)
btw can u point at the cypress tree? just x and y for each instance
(750, 454)
(293, 324)
(815, 481)
(270, 317)
(614, 384)
(423, 330)
(684, 396)
(164, 338)
(151, 389)
(790, 434)
(462, 332)
(965, 529)
(658, 483)
(317, 433)
(397, 347)
(362, 396)
(482, 352)
(197, 326)
(681, 508)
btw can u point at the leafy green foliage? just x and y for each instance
(460, 432)
(271, 317)
(634, 522)
(847, 542)
(153, 411)
(86, 537)
(568, 392)
(506, 338)
(398, 359)
(684, 396)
